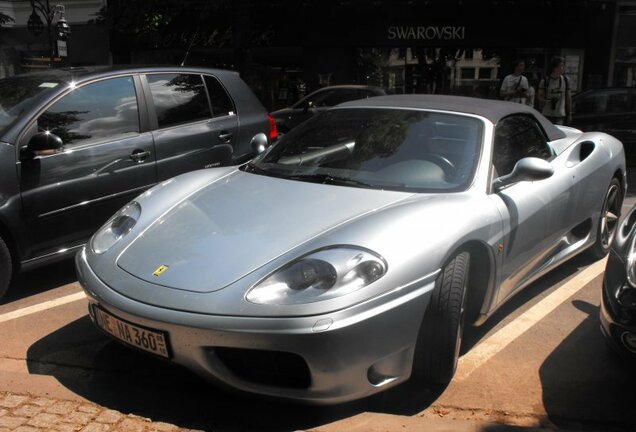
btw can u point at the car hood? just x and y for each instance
(281, 112)
(233, 226)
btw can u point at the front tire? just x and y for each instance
(5, 268)
(440, 336)
(608, 221)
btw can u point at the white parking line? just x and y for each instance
(41, 307)
(487, 349)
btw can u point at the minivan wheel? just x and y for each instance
(440, 336)
(5, 268)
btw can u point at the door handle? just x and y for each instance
(139, 155)
(225, 137)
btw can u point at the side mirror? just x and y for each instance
(527, 169)
(307, 106)
(259, 143)
(42, 144)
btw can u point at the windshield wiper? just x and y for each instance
(331, 179)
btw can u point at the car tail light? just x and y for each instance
(273, 130)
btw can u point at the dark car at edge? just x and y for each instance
(618, 299)
(609, 110)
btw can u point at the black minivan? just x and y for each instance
(77, 144)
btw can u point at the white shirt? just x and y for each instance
(554, 96)
(514, 82)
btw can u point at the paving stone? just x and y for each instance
(13, 401)
(79, 417)
(163, 427)
(26, 429)
(28, 410)
(62, 408)
(132, 425)
(96, 427)
(43, 402)
(11, 422)
(44, 420)
(109, 416)
(88, 409)
(66, 427)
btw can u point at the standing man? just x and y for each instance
(554, 94)
(514, 87)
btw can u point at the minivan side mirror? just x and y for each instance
(307, 106)
(526, 169)
(42, 144)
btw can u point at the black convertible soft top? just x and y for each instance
(493, 110)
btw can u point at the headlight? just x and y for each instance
(116, 228)
(322, 275)
(631, 263)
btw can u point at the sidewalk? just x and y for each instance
(24, 413)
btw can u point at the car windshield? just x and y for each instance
(379, 148)
(20, 93)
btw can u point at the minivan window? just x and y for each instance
(221, 103)
(101, 111)
(178, 98)
(21, 93)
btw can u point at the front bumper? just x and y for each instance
(337, 357)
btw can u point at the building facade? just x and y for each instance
(286, 48)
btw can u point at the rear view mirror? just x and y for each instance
(526, 169)
(42, 144)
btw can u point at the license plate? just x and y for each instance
(150, 340)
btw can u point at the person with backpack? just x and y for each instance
(554, 94)
(514, 87)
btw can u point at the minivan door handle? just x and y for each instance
(139, 155)
(225, 136)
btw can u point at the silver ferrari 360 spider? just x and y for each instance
(347, 257)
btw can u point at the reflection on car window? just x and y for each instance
(20, 93)
(101, 111)
(221, 102)
(178, 98)
(396, 149)
(517, 137)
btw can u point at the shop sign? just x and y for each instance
(403, 33)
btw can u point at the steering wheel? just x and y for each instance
(447, 166)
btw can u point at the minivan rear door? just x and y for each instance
(194, 120)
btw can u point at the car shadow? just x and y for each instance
(583, 380)
(93, 366)
(28, 283)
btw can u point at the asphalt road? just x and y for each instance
(540, 361)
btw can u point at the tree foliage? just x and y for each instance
(5, 19)
(148, 18)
